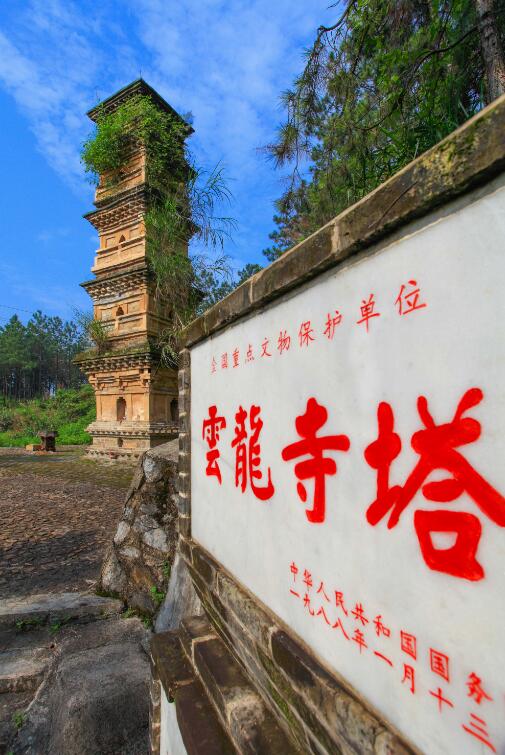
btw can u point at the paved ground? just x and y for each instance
(57, 512)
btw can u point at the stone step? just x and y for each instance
(55, 608)
(198, 672)
(200, 728)
(22, 670)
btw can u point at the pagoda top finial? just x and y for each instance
(137, 87)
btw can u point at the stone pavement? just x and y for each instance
(73, 672)
(57, 513)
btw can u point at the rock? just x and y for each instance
(181, 599)
(128, 513)
(121, 532)
(156, 539)
(144, 523)
(156, 460)
(153, 469)
(56, 607)
(148, 508)
(22, 670)
(95, 699)
(112, 577)
(129, 552)
(142, 602)
(12, 707)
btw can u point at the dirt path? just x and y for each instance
(57, 513)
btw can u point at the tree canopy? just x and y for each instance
(36, 358)
(381, 85)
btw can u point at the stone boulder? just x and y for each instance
(95, 697)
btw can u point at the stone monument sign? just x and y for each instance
(341, 482)
(348, 471)
(347, 445)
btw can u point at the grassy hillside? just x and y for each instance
(68, 412)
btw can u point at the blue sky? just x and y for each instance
(226, 62)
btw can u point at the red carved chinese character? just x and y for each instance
(306, 604)
(338, 625)
(439, 664)
(224, 361)
(264, 349)
(409, 676)
(248, 455)
(294, 571)
(383, 658)
(436, 446)
(318, 466)
(380, 628)
(331, 324)
(235, 356)
(408, 644)
(322, 613)
(441, 699)
(408, 299)
(211, 428)
(321, 589)
(367, 311)
(307, 578)
(359, 614)
(339, 601)
(475, 689)
(477, 727)
(283, 342)
(249, 357)
(359, 638)
(305, 334)
(213, 365)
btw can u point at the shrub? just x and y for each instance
(68, 412)
(6, 419)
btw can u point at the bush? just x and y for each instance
(13, 440)
(68, 412)
(73, 434)
(6, 419)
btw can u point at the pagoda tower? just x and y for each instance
(136, 395)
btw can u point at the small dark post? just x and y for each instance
(48, 438)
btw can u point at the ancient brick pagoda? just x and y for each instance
(136, 396)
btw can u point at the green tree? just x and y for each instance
(381, 85)
(36, 358)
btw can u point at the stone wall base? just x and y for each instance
(138, 562)
(119, 443)
(321, 713)
(218, 709)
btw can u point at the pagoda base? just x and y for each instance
(123, 440)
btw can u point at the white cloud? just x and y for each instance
(51, 63)
(226, 62)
